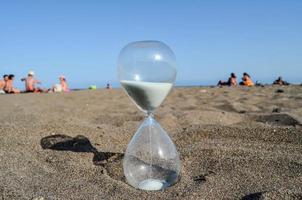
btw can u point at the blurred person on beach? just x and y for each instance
(62, 86)
(258, 84)
(9, 86)
(231, 82)
(279, 81)
(108, 86)
(3, 83)
(246, 80)
(30, 83)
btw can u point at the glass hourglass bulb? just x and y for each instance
(147, 73)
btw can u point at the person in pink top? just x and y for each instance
(64, 84)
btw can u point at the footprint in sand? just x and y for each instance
(203, 177)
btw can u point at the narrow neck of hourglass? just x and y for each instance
(149, 115)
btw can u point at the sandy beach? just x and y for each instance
(234, 143)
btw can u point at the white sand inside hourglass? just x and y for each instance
(147, 95)
(151, 184)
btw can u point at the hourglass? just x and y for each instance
(147, 72)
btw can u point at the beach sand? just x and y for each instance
(234, 143)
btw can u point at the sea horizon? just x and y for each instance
(116, 84)
(79, 85)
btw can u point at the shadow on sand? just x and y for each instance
(253, 196)
(79, 143)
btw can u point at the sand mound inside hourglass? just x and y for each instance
(147, 95)
(151, 184)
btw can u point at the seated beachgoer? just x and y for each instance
(64, 84)
(231, 82)
(246, 80)
(30, 83)
(9, 86)
(258, 84)
(3, 83)
(279, 81)
(62, 87)
(57, 88)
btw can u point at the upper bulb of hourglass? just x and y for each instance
(147, 71)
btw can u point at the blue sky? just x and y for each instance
(82, 39)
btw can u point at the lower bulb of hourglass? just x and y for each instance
(151, 161)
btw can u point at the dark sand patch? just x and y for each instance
(277, 120)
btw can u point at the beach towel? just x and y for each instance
(57, 88)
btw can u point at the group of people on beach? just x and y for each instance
(247, 81)
(7, 85)
(232, 81)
